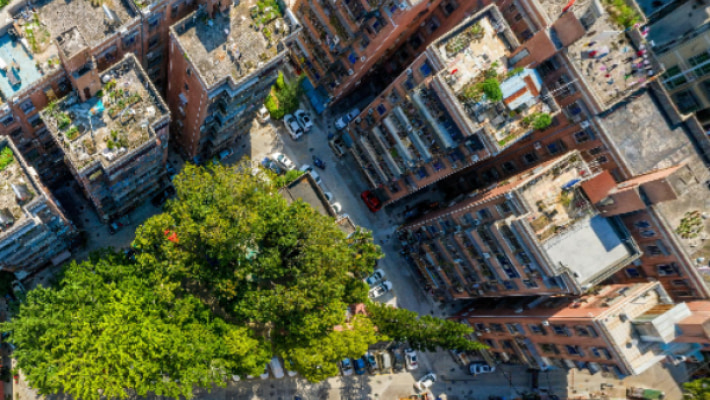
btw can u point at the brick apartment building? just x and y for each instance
(342, 43)
(112, 130)
(36, 75)
(33, 229)
(221, 71)
(620, 330)
(534, 234)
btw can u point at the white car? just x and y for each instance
(343, 121)
(380, 289)
(236, 378)
(304, 119)
(307, 168)
(347, 367)
(426, 382)
(292, 126)
(263, 115)
(377, 276)
(276, 369)
(288, 364)
(265, 375)
(410, 359)
(337, 207)
(283, 160)
(478, 368)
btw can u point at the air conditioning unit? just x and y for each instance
(363, 58)
(546, 323)
(358, 120)
(537, 145)
(584, 124)
(474, 158)
(351, 72)
(403, 6)
(409, 71)
(370, 111)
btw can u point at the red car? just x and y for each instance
(372, 202)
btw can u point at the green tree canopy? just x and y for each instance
(422, 332)
(698, 389)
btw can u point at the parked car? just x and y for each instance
(346, 366)
(385, 362)
(380, 289)
(265, 375)
(477, 368)
(398, 363)
(371, 201)
(292, 126)
(276, 369)
(263, 115)
(359, 366)
(226, 153)
(283, 161)
(304, 119)
(343, 121)
(377, 276)
(410, 359)
(425, 382)
(118, 224)
(310, 170)
(328, 196)
(272, 165)
(288, 365)
(337, 207)
(371, 363)
(171, 170)
(236, 378)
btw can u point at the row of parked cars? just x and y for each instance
(378, 284)
(380, 362)
(273, 369)
(298, 123)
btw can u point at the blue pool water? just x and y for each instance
(28, 72)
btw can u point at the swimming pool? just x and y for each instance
(28, 73)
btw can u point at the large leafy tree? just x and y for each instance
(422, 332)
(698, 389)
(228, 276)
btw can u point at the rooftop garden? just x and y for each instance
(37, 34)
(265, 11)
(690, 225)
(621, 13)
(6, 158)
(461, 41)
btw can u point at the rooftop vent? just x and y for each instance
(22, 193)
(6, 219)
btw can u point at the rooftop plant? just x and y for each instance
(6, 158)
(621, 13)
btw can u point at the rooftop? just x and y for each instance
(475, 56)
(20, 67)
(684, 21)
(307, 190)
(17, 188)
(116, 121)
(233, 43)
(643, 136)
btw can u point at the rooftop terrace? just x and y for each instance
(234, 43)
(113, 123)
(16, 188)
(475, 68)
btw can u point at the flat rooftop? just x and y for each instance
(21, 69)
(112, 124)
(307, 190)
(14, 179)
(553, 197)
(644, 137)
(229, 44)
(684, 20)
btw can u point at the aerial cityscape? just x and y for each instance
(355, 199)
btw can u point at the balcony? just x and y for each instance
(396, 169)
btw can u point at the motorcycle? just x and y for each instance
(318, 162)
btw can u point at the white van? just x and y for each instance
(276, 369)
(386, 363)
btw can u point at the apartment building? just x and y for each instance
(34, 72)
(223, 60)
(112, 129)
(533, 234)
(680, 40)
(343, 42)
(33, 229)
(620, 330)
(434, 119)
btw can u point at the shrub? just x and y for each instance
(491, 88)
(63, 120)
(542, 121)
(272, 106)
(621, 13)
(6, 158)
(72, 132)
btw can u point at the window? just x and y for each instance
(187, 88)
(153, 41)
(35, 120)
(433, 25)
(504, 208)
(686, 101)
(483, 213)
(679, 282)
(381, 109)
(674, 77)
(479, 326)
(530, 158)
(154, 22)
(665, 269)
(642, 224)
(188, 72)
(601, 160)
(601, 352)
(511, 328)
(700, 64)
(8, 120)
(496, 327)
(547, 67)
(174, 11)
(572, 350)
(16, 133)
(512, 9)
(586, 331)
(596, 150)
(448, 7)
(560, 330)
(583, 136)
(549, 348)
(526, 34)
(632, 272)
(491, 343)
(521, 54)
(554, 148)
(654, 250)
(648, 233)
(129, 40)
(27, 106)
(529, 284)
(537, 329)
(509, 166)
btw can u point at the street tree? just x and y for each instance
(422, 333)
(698, 389)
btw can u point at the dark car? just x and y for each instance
(371, 201)
(398, 360)
(118, 224)
(271, 164)
(360, 366)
